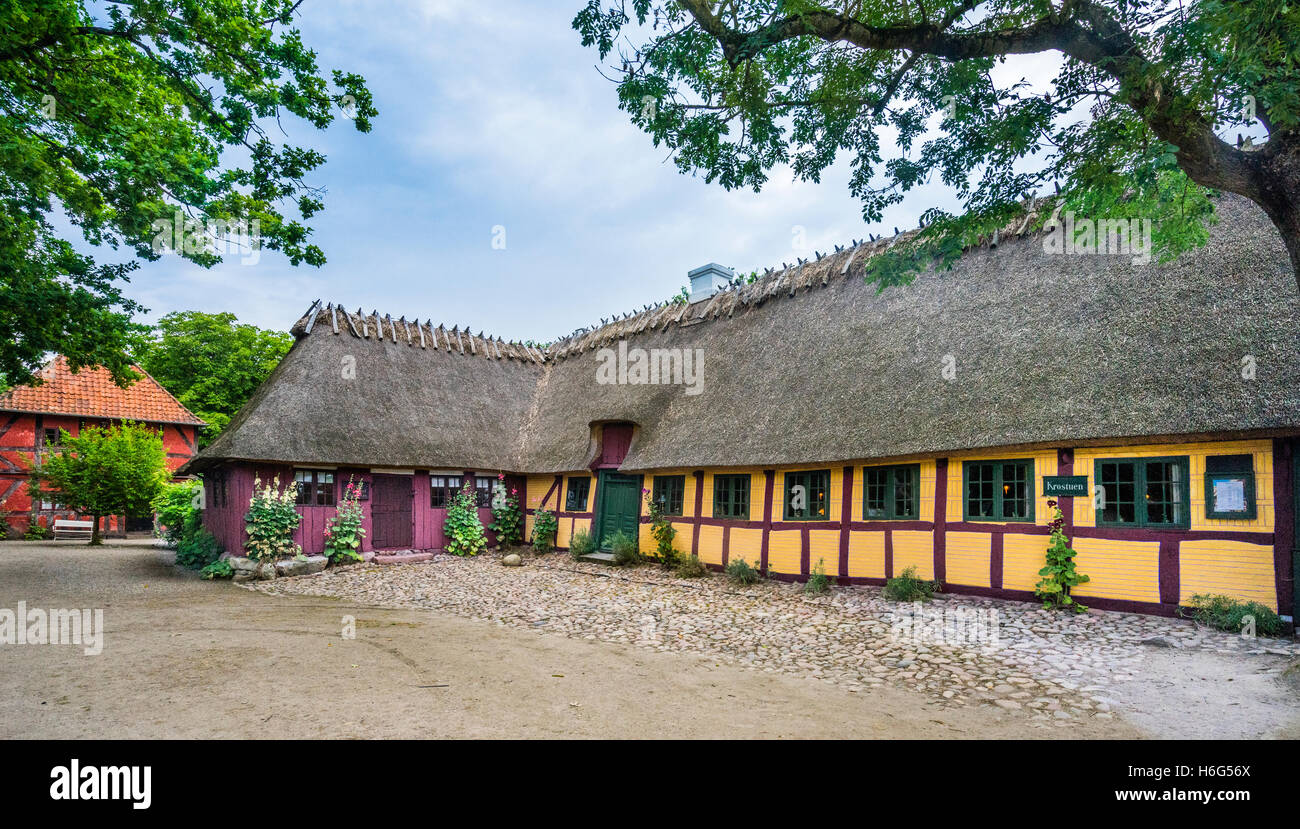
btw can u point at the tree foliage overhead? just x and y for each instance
(1130, 125)
(105, 470)
(114, 116)
(211, 363)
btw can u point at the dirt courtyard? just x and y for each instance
(184, 658)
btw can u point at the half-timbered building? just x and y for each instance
(808, 419)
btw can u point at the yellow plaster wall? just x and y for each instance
(824, 545)
(1022, 557)
(1230, 568)
(784, 551)
(914, 548)
(710, 544)
(967, 558)
(746, 543)
(1118, 569)
(866, 554)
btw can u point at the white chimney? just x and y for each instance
(707, 280)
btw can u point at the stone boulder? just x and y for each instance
(300, 566)
(242, 565)
(512, 560)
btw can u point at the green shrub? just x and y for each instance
(35, 532)
(177, 508)
(818, 582)
(906, 587)
(624, 548)
(217, 570)
(582, 544)
(692, 568)
(464, 532)
(545, 527)
(197, 549)
(1227, 613)
(739, 571)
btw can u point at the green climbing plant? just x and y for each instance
(1060, 575)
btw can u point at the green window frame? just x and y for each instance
(817, 487)
(575, 497)
(1230, 469)
(998, 490)
(1151, 493)
(891, 493)
(670, 493)
(731, 496)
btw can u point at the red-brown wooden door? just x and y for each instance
(391, 499)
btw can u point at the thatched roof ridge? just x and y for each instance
(803, 275)
(411, 333)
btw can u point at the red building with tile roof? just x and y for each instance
(31, 417)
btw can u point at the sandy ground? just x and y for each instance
(1197, 695)
(185, 658)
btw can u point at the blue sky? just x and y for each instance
(492, 113)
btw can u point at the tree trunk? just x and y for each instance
(95, 538)
(1288, 224)
(1279, 184)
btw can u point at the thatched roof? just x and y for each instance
(363, 390)
(811, 365)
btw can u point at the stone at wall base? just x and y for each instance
(300, 567)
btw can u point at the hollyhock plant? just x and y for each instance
(507, 517)
(1059, 575)
(344, 532)
(271, 520)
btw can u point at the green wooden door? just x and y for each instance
(619, 507)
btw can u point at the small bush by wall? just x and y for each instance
(739, 571)
(906, 587)
(1227, 613)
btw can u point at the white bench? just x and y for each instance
(67, 528)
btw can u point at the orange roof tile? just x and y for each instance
(91, 392)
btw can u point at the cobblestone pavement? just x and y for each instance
(1051, 668)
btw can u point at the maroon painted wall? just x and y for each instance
(227, 523)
